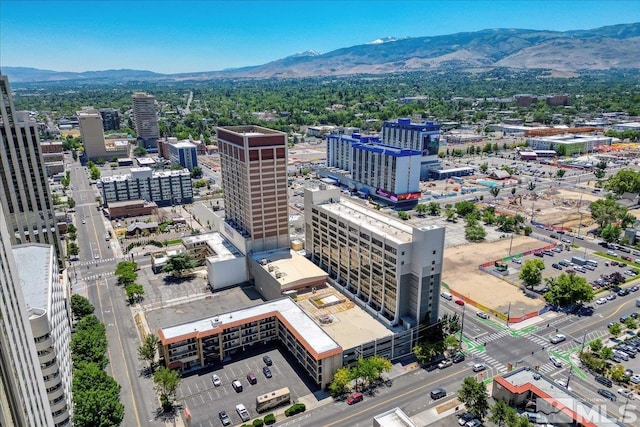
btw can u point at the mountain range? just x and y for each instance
(604, 48)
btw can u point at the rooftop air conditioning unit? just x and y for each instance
(270, 267)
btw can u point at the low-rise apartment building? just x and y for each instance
(207, 341)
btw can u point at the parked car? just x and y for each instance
(445, 364)
(626, 393)
(251, 377)
(473, 423)
(438, 393)
(459, 302)
(603, 380)
(459, 357)
(465, 418)
(216, 380)
(224, 418)
(556, 266)
(267, 360)
(267, 372)
(557, 338)
(237, 386)
(482, 315)
(355, 398)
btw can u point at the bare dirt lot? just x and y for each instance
(462, 274)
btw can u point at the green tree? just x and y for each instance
(178, 264)
(631, 323)
(531, 272)
(73, 249)
(139, 151)
(80, 306)
(89, 342)
(126, 272)
(567, 289)
(484, 167)
(596, 345)
(341, 380)
(606, 211)
(96, 398)
(421, 209)
(475, 232)
(166, 383)
(494, 191)
(71, 203)
(450, 324)
(624, 181)
(617, 373)
(473, 394)
(465, 208)
(148, 350)
(606, 353)
(94, 173)
(615, 329)
(560, 173)
(599, 173)
(500, 412)
(610, 233)
(196, 172)
(71, 228)
(434, 208)
(134, 292)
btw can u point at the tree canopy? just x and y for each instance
(531, 272)
(80, 306)
(473, 394)
(178, 264)
(569, 289)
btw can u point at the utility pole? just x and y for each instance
(508, 312)
(464, 308)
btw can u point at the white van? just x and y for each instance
(242, 411)
(638, 302)
(446, 295)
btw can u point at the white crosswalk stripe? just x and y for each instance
(477, 354)
(547, 368)
(97, 261)
(98, 276)
(492, 337)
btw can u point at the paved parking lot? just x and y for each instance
(604, 266)
(198, 393)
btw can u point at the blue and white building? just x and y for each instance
(365, 164)
(423, 137)
(184, 153)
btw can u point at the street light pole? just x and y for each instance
(464, 308)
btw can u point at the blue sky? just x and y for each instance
(171, 37)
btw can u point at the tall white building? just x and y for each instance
(165, 188)
(423, 137)
(183, 153)
(26, 197)
(23, 397)
(389, 267)
(145, 119)
(93, 141)
(48, 311)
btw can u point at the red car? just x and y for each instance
(459, 302)
(355, 398)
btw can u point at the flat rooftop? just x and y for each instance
(317, 340)
(393, 418)
(348, 324)
(34, 270)
(251, 130)
(379, 223)
(293, 267)
(527, 379)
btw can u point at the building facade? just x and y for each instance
(183, 153)
(389, 267)
(91, 132)
(165, 188)
(110, 119)
(48, 311)
(253, 163)
(23, 398)
(204, 342)
(26, 200)
(365, 164)
(145, 119)
(423, 137)
(569, 144)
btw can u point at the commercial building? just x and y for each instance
(365, 164)
(53, 157)
(165, 188)
(93, 141)
(23, 397)
(26, 201)
(48, 310)
(423, 137)
(110, 118)
(553, 404)
(569, 144)
(132, 208)
(253, 163)
(145, 119)
(207, 341)
(183, 153)
(387, 266)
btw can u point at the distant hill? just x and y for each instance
(605, 48)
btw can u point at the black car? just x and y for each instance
(556, 266)
(266, 371)
(458, 358)
(553, 236)
(607, 394)
(623, 292)
(267, 360)
(604, 381)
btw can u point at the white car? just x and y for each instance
(601, 301)
(555, 362)
(482, 315)
(635, 379)
(557, 338)
(612, 253)
(626, 393)
(477, 367)
(216, 380)
(96, 256)
(84, 221)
